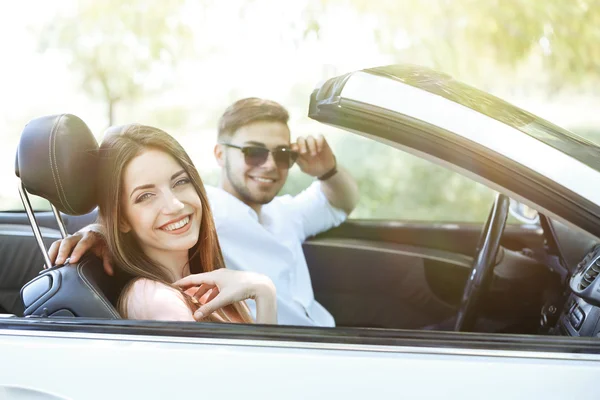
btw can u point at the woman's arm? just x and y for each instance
(234, 286)
(149, 300)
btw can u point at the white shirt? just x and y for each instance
(272, 245)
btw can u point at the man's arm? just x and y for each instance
(316, 159)
(76, 245)
(341, 190)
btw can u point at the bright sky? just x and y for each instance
(248, 59)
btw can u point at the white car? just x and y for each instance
(423, 310)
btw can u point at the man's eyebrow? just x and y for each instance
(254, 143)
(150, 186)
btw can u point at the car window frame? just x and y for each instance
(368, 339)
(449, 149)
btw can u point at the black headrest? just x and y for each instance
(57, 160)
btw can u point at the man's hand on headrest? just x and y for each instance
(73, 247)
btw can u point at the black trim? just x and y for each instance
(356, 336)
(47, 219)
(435, 235)
(456, 150)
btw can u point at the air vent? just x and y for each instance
(589, 275)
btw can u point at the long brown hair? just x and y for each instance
(120, 145)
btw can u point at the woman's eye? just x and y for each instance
(143, 197)
(182, 181)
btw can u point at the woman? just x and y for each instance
(159, 229)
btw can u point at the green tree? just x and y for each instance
(121, 49)
(473, 37)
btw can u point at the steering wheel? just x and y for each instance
(483, 264)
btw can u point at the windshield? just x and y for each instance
(544, 131)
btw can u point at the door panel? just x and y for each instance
(402, 275)
(369, 284)
(143, 366)
(20, 256)
(452, 237)
(20, 261)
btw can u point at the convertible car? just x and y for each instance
(423, 310)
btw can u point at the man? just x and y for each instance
(257, 230)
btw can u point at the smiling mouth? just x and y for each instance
(176, 225)
(262, 180)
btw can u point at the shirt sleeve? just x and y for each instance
(314, 211)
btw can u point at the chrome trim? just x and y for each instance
(459, 260)
(34, 225)
(307, 345)
(59, 221)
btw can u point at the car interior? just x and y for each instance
(499, 278)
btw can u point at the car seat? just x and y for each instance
(57, 159)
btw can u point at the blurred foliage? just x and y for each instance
(125, 52)
(455, 36)
(13, 203)
(122, 50)
(399, 186)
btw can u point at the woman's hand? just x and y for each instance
(229, 286)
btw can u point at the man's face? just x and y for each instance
(255, 185)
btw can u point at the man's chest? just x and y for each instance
(272, 249)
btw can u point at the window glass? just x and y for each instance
(11, 201)
(395, 185)
(567, 142)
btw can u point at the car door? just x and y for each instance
(427, 258)
(84, 359)
(404, 262)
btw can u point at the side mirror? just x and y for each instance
(524, 213)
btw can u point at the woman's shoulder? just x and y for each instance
(147, 299)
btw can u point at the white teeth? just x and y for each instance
(177, 225)
(266, 180)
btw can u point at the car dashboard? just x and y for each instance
(579, 257)
(581, 314)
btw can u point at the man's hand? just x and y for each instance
(316, 159)
(76, 245)
(315, 156)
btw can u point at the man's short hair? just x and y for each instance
(246, 111)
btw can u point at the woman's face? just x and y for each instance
(161, 206)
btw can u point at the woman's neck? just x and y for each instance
(176, 263)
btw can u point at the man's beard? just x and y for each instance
(244, 193)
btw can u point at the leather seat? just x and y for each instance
(57, 160)
(20, 262)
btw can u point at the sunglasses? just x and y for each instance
(256, 156)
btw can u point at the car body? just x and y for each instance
(384, 281)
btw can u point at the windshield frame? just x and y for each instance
(484, 103)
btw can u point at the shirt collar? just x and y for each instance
(241, 204)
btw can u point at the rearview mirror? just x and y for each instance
(523, 213)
